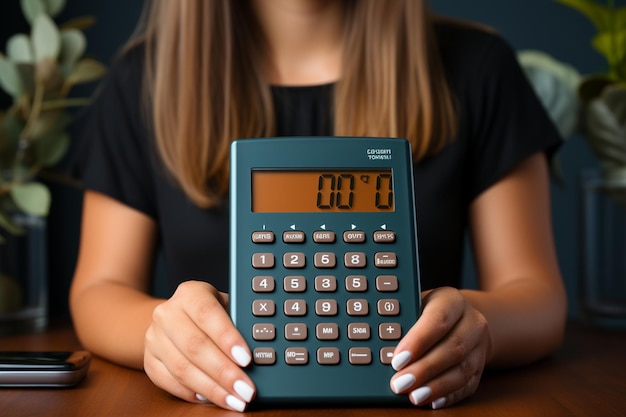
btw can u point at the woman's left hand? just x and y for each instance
(442, 357)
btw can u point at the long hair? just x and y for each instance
(205, 85)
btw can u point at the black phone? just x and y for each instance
(21, 369)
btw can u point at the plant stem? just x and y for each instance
(24, 139)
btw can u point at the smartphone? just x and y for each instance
(43, 369)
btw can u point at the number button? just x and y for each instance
(263, 260)
(295, 307)
(354, 260)
(326, 307)
(325, 260)
(388, 307)
(294, 284)
(357, 307)
(294, 260)
(325, 283)
(356, 283)
(263, 284)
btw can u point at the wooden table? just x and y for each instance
(586, 378)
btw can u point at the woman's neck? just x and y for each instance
(304, 40)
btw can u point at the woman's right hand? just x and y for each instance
(193, 350)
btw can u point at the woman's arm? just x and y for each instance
(517, 315)
(109, 300)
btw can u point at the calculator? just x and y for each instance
(324, 272)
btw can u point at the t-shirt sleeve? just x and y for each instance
(509, 123)
(114, 154)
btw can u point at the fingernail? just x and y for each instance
(241, 355)
(402, 383)
(420, 395)
(202, 398)
(235, 403)
(398, 361)
(244, 390)
(438, 403)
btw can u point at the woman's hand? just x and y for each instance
(442, 357)
(193, 350)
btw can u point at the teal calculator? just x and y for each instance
(324, 275)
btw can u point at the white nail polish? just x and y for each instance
(235, 403)
(241, 355)
(244, 390)
(398, 361)
(420, 395)
(402, 383)
(438, 403)
(202, 398)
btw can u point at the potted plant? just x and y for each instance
(595, 106)
(37, 71)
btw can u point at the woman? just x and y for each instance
(201, 74)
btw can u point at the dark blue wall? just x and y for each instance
(527, 24)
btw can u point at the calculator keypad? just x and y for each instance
(367, 296)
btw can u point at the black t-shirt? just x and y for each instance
(501, 122)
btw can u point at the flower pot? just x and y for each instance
(603, 244)
(24, 276)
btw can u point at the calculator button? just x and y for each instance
(296, 331)
(384, 236)
(264, 356)
(295, 308)
(294, 284)
(385, 260)
(386, 355)
(326, 307)
(325, 283)
(356, 283)
(296, 356)
(359, 331)
(327, 331)
(325, 260)
(360, 356)
(328, 356)
(293, 236)
(263, 307)
(357, 307)
(354, 260)
(354, 236)
(263, 260)
(387, 283)
(263, 237)
(294, 260)
(263, 331)
(263, 284)
(388, 307)
(389, 331)
(322, 236)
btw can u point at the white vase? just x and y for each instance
(24, 277)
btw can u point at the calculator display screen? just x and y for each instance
(306, 191)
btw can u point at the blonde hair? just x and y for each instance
(206, 87)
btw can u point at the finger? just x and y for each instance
(169, 369)
(453, 385)
(443, 307)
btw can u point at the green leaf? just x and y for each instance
(31, 198)
(612, 45)
(54, 7)
(49, 123)
(32, 9)
(46, 38)
(10, 80)
(86, 70)
(19, 49)
(606, 127)
(598, 14)
(73, 44)
(51, 149)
